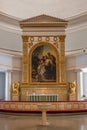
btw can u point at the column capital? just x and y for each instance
(62, 38)
(25, 38)
(78, 70)
(9, 70)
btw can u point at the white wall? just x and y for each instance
(9, 62)
(76, 40)
(12, 64)
(10, 40)
(74, 65)
(16, 76)
(76, 62)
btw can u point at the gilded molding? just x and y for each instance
(56, 44)
(30, 55)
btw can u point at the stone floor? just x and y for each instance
(33, 122)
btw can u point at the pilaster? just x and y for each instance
(62, 71)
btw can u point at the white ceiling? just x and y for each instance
(57, 8)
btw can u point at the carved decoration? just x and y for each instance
(47, 39)
(32, 39)
(72, 87)
(30, 44)
(55, 38)
(39, 38)
(15, 88)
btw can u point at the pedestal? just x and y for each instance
(44, 108)
(72, 97)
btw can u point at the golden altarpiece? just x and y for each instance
(43, 63)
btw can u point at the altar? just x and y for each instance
(43, 61)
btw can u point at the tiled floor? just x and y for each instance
(33, 122)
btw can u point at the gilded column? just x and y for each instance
(62, 67)
(25, 67)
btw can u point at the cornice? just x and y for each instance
(77, 19)
(76, 68)
(10, 28)
(76, 23)
(75, 28)
(8, 68)
(70, 53)
(10, 52)
(76, 52)
(9, 19)
(9, 23)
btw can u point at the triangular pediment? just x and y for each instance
(42, 20)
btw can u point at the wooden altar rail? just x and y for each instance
(60, 106)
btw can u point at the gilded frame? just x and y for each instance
(42, 48)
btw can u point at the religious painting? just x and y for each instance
(43, 64)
